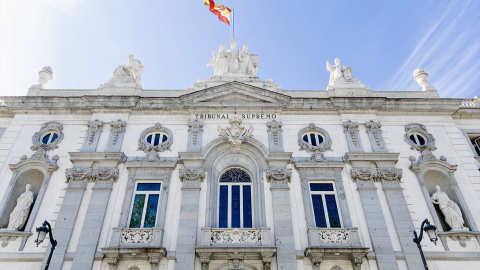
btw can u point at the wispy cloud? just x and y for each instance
(449, 52)
(68, 6)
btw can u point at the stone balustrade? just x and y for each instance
(470, 103)
(137, 237)
(226, 236)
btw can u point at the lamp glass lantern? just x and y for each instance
(41, 233)
(431, 231)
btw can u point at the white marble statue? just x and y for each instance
(339, 73)
(19, 215)
(234, 62)
(133, 69)
(450, 210)
(219, 61)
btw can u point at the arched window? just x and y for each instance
(235, 200)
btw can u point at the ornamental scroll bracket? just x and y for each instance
(278, 174)
(236, 134)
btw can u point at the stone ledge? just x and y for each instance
(96, 156)
(7, 236)
(247, 253)
(371, 157)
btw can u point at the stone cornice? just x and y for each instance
(371, 157)
(96, 156)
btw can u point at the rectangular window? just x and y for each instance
(235, 206)
(145, 205)
(325, 207)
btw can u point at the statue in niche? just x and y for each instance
(339, 72)
(219, 61)
(133, 69)
(234, 62)
(19, 215)
(451, 211)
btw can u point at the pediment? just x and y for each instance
(235, 94)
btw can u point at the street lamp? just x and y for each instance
(42, 232)
(431, 231)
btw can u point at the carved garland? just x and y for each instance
(192, 174)
(101, 174)
(324, 146)
(278, 174)
(389, 174)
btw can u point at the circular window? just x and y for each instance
(417, 139)
(313, 139)
(156, 138)
(49, 138)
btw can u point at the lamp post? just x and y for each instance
(431, 231)
(42, 232)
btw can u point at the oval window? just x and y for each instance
(417, 139)
(313, 139)
(156, 139)
(49, 138)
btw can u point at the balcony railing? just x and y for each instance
(470, 103)
(227, 236)
(137, 237)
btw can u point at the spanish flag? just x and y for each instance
(222, 11)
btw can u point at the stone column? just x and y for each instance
(92, 136)
(279, 177)
(92, 226)
(377, 227)
(390, 178)
(77, 182)
(188, 224)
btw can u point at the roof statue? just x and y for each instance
(128, 73)
(341, 82)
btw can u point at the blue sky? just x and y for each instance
(384, 41)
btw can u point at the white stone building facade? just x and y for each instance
(237, 173)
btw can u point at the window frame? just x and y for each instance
(147, 193)
(310, 148)
(229, 199)
(324, 203)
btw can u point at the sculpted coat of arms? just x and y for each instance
(236, 134)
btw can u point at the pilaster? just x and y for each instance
(115, 140)
(376, 137)
(275, 138)
(92, 136)
(353, 138)
(195, 134)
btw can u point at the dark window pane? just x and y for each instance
(164, 138)
(235, 206)
(247, 207)
(320, 139)
(318, 211)
(412, 138)
(148, 186)
(151, 212)
(305, 138)
(235, 175)
(157, 140)
(45, 138)
(321, 187)
(137, 211)
(332, 211)
(54, 137)
(312, 139)
(149, 139)
(223, 208)
(421, 140)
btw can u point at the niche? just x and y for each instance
(433, 178)
(32, 177)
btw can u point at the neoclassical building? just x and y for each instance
(237, 173)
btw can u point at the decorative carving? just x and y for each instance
(416, 129)
(41, 148)
(376, 136)
(118, 127)
(90, 174)
(462, 239)
(236, 236)
(6, 239)
(195, 127)
(421, 77)
(322, 147)
(364, 174)
(278, 174)
(357, 261)
(128, 73)
(136, 236)
(192, 174)
(236, 134)
(334, 236)
(234, 62)
(267, 261)
(149, 149)
(275, 128)
(19, 215)
(133, 267)
(93, 128)
(351, 129)
(235, 175)
(389, 174)
(336, 267)
(450, 210)
(204, 260)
